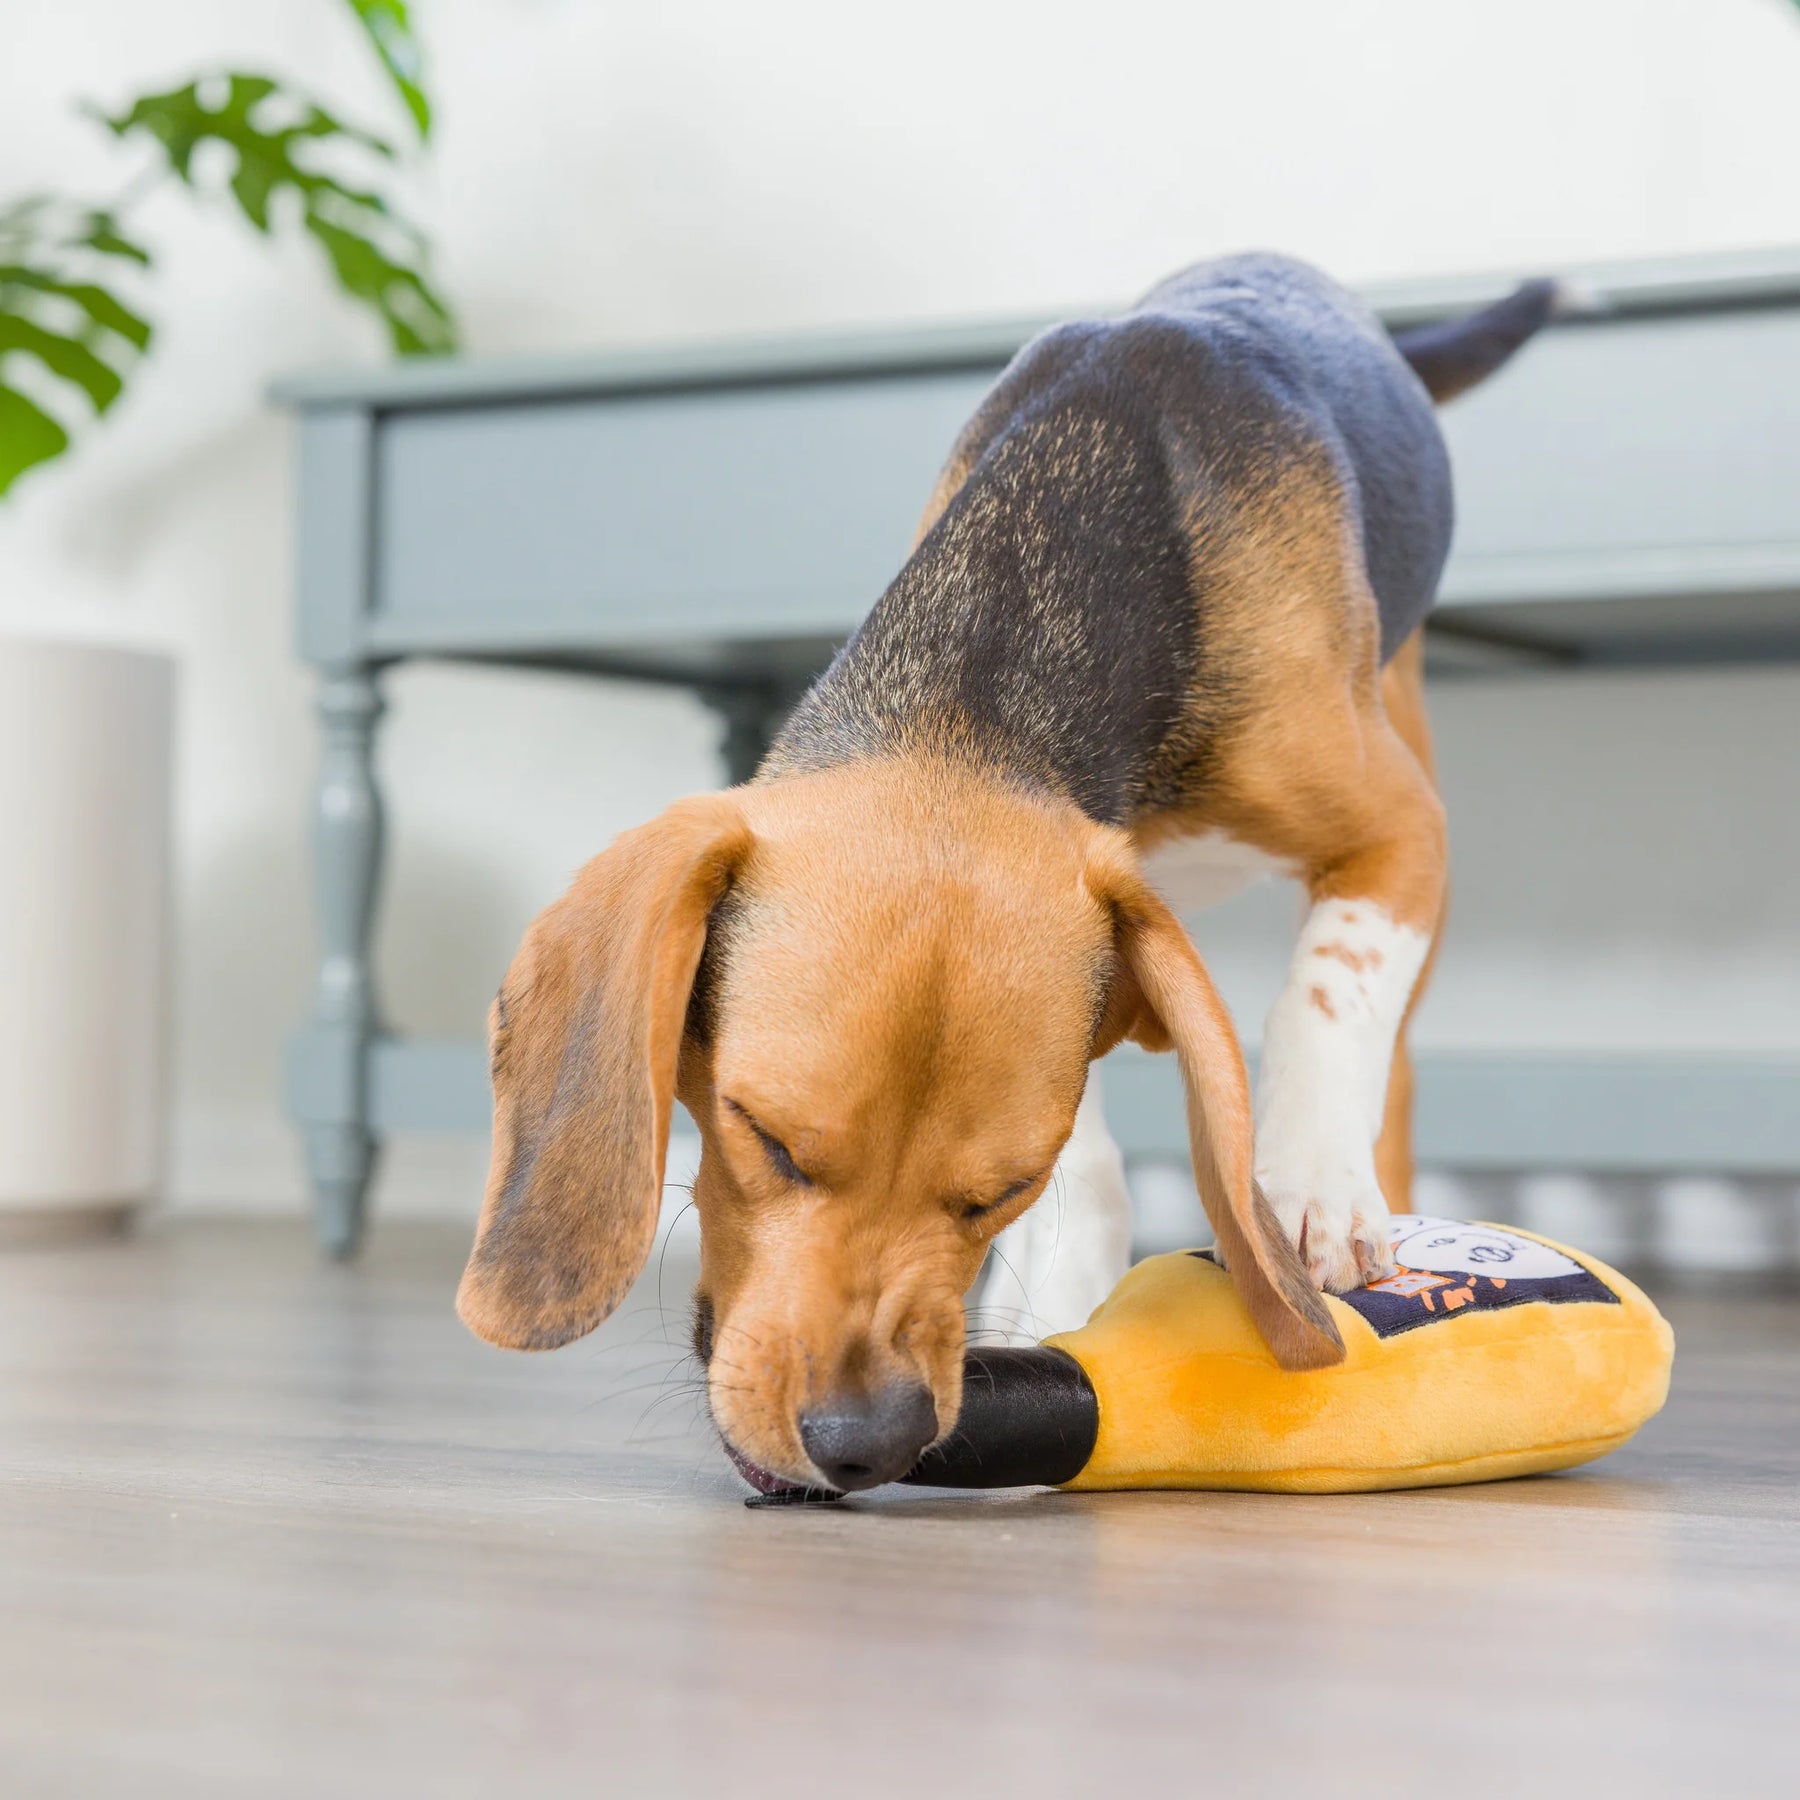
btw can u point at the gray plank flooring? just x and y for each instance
(270, 1528)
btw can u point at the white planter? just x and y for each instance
(85, 736)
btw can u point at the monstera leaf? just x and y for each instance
(62, 332)
(391, 32)
(65, 334)
(272, 136)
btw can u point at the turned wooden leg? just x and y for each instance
(752, 714)
(340, 1143)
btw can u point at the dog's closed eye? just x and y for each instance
(974, 1209)
(780, 1158)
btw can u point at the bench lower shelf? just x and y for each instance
(1488, 1111)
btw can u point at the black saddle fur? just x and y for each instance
(1055, 621)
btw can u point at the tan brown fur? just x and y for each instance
(897, 1110)
(1141, 607)
(898, 1097)
(906, 1087)
(1403, 697)
(584, 1038)
(1329, 767)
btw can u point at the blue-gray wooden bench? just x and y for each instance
(719, 517)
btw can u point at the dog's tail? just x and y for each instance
(1452, 356)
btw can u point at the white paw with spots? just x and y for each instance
(1336, 1217)
(1327, 1049)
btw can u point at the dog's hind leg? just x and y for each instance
(1403, 697)
(1049, 1269)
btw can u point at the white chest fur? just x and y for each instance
(1195, 873)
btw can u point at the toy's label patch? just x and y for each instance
(1445, 1266)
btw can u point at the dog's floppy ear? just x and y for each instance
(586, 1035)
(1176, 1005)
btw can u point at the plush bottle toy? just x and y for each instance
(1489, 1353)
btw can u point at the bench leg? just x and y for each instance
(340, 1143)
(752, 714)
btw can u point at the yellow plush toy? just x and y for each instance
(1490, 1353)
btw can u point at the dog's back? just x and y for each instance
(1273, 370)
(1127, 490)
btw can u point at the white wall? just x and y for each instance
(1626, 849)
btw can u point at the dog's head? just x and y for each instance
(877, 989)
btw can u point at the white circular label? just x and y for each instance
(1455, 1247)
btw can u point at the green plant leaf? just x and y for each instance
(62, 355)
(378, 259)
(56, 312)
(28, 436)
(397, 44)
(416, 318)
(221, 108)
(103, 235)
(40, 224)
(103, 308)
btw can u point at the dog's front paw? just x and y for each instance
(1341, 1234)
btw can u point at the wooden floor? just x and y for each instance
(270, 1528)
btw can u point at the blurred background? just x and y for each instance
(1626, 858)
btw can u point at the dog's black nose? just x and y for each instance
(861, 1441)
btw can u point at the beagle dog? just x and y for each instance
(1163, 613)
